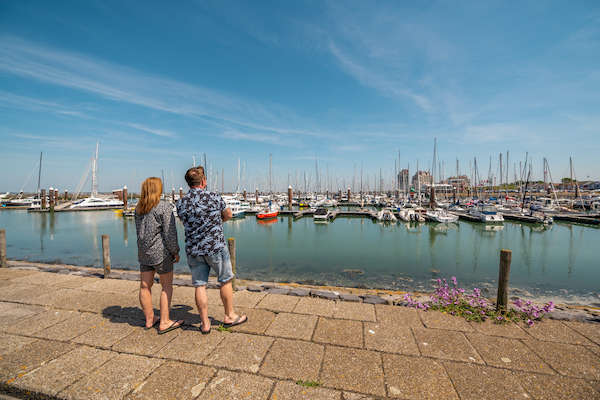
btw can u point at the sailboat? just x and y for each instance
(94, 201)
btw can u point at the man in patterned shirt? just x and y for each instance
(203, 213)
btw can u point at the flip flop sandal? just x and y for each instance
(147, 328)
(205, 332)
(172, 327)
(238, 321)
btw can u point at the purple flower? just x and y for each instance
(529, 322)
(454, 280)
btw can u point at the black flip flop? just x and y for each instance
(172, 327)
(205, 332)
(238, 321)
(147, 328)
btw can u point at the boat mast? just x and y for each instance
(418, 183)
(94, 168)
(39, 174)
(270, 174)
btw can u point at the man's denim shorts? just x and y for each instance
(220, 262)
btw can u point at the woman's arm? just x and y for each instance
(169, 231)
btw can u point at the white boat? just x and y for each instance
(441, 216)
(26, 202)
(543, 204)
(236, 208)
(321, 215)
(4, 196)
(96, 202)
(386, 215)
(486, 214)
(410, 215)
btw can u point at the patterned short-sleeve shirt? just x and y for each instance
(200, 213)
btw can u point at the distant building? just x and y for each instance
(460, 183)
(424, 177)
(403, 180)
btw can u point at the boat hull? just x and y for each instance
(268, 215)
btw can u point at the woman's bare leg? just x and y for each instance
(146, 281)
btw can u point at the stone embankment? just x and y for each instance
(70, 334)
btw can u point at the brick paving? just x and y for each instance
(75, 337)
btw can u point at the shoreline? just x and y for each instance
(564, 311)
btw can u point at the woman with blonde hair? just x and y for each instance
(157, 251)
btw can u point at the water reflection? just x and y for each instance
(560, 256)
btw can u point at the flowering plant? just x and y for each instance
(474, 307)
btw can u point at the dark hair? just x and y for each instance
(195, 176)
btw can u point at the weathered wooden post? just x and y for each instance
(502, 299)
(124, 197)
(348, 194)
(51, 199)
(3, 249)
(180, 193)
(43, 198)
(66, 195)
(432, 197)
(290, 197)
(106, 255)
(245, 197)
(173, 194)
(56, 196)
(256, 196)
(231, 247)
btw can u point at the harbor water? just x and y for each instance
(560, 260)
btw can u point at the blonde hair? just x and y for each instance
(150, 195)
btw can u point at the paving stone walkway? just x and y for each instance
(74, 337)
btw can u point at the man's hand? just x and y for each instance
(226, 214)
(176, 258)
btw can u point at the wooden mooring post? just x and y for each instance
(231, 247)
(124, 194)
(502, 299)
(51, 199)
(106, 255)
(290, 197)
(43, 198)
(3, 249)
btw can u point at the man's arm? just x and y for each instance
(226, 214)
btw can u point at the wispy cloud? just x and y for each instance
(377, 80)
(131, 86)
(8, 99)
(255, 137)
(154, 131)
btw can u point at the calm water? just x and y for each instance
(349, 252)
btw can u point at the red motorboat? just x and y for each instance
(268, 213)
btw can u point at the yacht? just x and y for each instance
(486, 214)
(96, 202)
(441, 216)
(236, 207)
(321, 215)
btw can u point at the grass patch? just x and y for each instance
(222, 328)
(308, 383)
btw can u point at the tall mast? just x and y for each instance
(94, 168)
(39, 174)
(270, 173)
(570, 169)
(434, 161)
(204, 156)
(418, 184)
(222, 180)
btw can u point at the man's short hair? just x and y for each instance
(195, 176)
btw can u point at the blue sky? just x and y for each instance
(348, 83)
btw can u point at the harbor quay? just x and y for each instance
(69, 333)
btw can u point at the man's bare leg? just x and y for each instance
(227, 298)
(202, 304)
